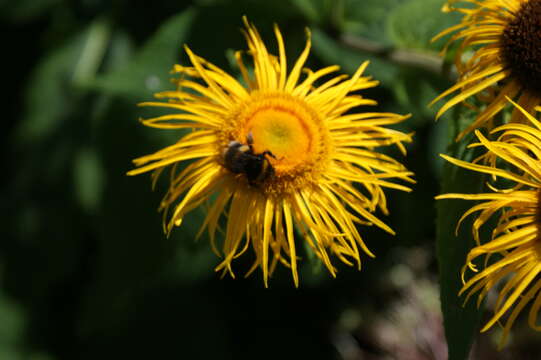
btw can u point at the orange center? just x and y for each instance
(285, 126)
(288, 128)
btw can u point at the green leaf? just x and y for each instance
(313, 10)
(52, 92)
(461, 322)
(331, 52)
(367, 18)
(413, 89)
(11, 328)
(148, 72)
(414, 23)
(89, 178)
(92, 52)
(120, 52)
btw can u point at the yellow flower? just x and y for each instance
(515, 240)
(276, 155)
(499, 56)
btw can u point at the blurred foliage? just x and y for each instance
(85, 270)
(147, 71)
(412, 24)
(11, 329)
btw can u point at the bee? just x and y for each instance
(240, 159)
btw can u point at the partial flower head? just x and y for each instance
(499, 56)
(515, 244)
(282, 159)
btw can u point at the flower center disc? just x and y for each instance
(284, 134)
(290, 129)
(521, 45)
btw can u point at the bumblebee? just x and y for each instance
(240, 159)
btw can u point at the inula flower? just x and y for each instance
(515, 244)
(499, 56)
(280, 158)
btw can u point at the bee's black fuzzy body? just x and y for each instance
(240, 159)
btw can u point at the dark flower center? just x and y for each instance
(521, 46)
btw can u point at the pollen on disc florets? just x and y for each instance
(289, 128)
(521, 45)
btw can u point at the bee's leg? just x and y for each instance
(268, 152)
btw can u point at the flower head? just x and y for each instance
(515, 240)
(500, 39)
(278, 155)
